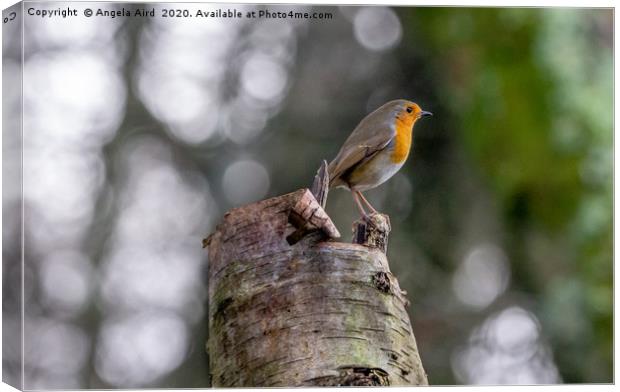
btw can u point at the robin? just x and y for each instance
(376, 149)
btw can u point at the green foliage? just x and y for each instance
(531, 95)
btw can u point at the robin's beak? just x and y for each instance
(424, 114)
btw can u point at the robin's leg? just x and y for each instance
(359, 205)
(366, 202)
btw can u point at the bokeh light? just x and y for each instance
(263, 78)
(377, 28)
(66, 281)
(56, 351)
(506, 349)
(138, 349)
(245, 181)
(482, 276)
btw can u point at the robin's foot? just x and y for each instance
(359, 205)
(363, 199)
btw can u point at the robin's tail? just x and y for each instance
(330, 171)
(334, 178)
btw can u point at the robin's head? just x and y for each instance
(408, 112)
(412, 110)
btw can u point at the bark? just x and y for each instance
(315, 313)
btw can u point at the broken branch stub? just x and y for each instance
(372, 231)
(307, 216)
(310, 314)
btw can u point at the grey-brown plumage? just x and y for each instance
(376, 149)
(372, 135)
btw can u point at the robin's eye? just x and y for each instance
(409, 109)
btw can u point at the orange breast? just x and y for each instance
(402, 140)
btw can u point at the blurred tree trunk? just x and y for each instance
(315, 313)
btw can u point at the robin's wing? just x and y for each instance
(360, 147)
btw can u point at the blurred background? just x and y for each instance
(139, 134)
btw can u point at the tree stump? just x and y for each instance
(315, 313)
